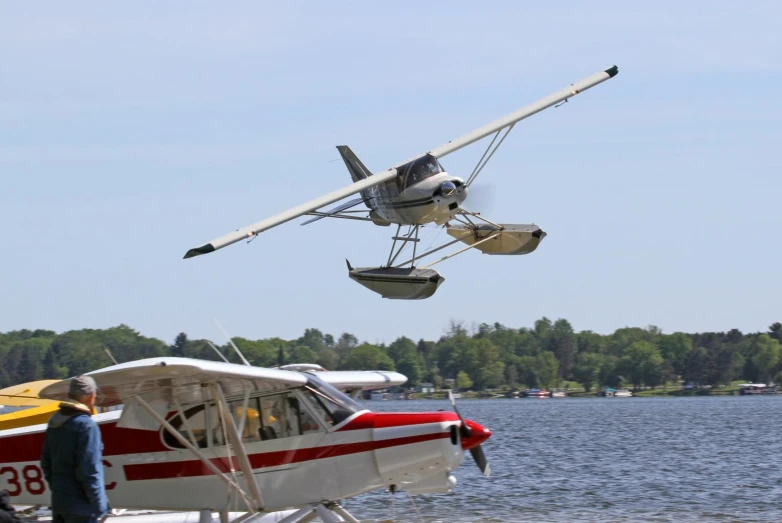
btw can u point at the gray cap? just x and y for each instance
(82, 386)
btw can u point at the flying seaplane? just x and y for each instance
(248, 443)
(414, 193)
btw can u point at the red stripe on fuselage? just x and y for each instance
(191, 468)
(116, 441)
(384, 420)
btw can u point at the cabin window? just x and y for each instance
(331, 405)
(194, 429)
(265, 418)
(272, 417)
(418, 170)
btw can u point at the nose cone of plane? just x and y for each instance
(478, 435)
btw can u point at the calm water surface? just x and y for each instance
(607, 460)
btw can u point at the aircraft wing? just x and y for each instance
(349, 380)
(25, 395)
(524, 112)
(285, 216)
(180, 378)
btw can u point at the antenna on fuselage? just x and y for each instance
(219, 353)
(111, 356)
(238, 352)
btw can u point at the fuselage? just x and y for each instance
(421, 193)
(144, 469)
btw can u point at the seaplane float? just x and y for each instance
(415, 193)
(218, 442)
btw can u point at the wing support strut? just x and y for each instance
(479, 166)
(208, 463)
(491, 234)
(236, 443)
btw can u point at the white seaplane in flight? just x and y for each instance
(221, 442)
(416, 192)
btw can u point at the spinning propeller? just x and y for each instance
(467, 432)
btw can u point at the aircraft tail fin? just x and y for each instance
(358, 171)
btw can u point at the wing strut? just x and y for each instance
(236, 443)
(254, 507)
(479, 166)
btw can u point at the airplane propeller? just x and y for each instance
(477, 451)
(481, 197)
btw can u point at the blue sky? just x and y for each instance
(132, 132)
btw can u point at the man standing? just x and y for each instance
(72, 459)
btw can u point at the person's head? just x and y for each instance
(83, 389)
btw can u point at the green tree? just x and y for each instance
(367, 357)
(178, 349)
(588, 341)
(766, 356)
(675, 348)
(303, 354)
(642, 364)
(50, 369)
(492, 375)
(775, 331)
(463, 380)
(546, 368)
(511, 376)
(346, 343)
(29, 368)
(587, 369)
(562, 342)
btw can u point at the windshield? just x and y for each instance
(335, 405)
(420, 169)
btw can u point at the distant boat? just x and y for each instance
(622, 393)
(559, 393)
(756, 388)
(537, 393)
(606, 392)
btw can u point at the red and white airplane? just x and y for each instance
(196, 435)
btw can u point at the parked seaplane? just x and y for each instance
(418, 192)
(195, 435)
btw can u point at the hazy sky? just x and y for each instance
(132, 132)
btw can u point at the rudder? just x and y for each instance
(358, 171)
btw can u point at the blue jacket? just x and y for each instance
(72, 462)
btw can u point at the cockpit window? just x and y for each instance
(420, 169)
(331, 404)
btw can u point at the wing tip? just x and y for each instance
(613, 71)
(198, 251)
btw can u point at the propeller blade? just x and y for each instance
(466, 430)
(480, 460)
(481, 197)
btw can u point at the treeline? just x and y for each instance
(489, 356)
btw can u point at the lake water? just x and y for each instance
(607, 460)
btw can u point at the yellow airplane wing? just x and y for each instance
(32, 410)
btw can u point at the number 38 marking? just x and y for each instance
(32, 477)
(32, 480)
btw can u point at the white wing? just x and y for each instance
(290, 214)
(181, 378)
(524, 112)
(349, 380)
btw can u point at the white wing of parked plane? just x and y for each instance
(350, 380)
(181, 378)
